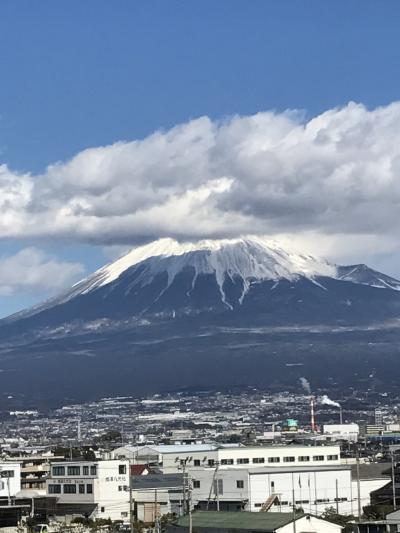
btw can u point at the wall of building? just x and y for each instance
(106, 484)
(366, 487)
(311, 523)
(314, 491)
(245, 457)
(10, 479)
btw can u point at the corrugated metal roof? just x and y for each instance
(237, 520)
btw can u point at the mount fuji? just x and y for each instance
(222, 313)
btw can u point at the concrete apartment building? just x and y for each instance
(96, 489)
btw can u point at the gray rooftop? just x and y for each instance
(157, 481)
(237, 520)
(372, 470)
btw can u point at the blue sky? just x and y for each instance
(88, 74)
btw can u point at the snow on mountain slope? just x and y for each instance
(250, 258)
(367, 276)
(243, 262)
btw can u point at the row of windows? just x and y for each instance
(76, 470)
(300, 502)
(261, 460)
(71, 488)
(220, 485)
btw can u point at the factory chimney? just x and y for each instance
(312, 410)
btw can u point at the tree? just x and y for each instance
(331, 515)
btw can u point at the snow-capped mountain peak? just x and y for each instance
(248, 258)
(167, 274)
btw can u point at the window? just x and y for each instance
(69, 489)
(102, 509)
(54, 489)
(226, 461)
(81, 489)
(239, 484)
(58, 471)
(332, 457)
(318, 458)
(196, 484)
(211, 462)
(85, 470)
(290, 459)
(89, 488)
(274, 459)
(124, 514)
(243, 461)
(74, 470)
(93, 470)
(340, 500)
(218, 485)
(304, 458)
(258, 505)
(258, 460)
(197, 462)
(122, 469)
(7, 473)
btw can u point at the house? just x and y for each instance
(157, 495)
(140, 470)
(226, 522)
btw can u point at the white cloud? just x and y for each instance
(31, 271)
(331, 182)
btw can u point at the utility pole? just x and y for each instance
(217, 487)
(183, 465)
(130, 497)
(156, 517)
(337, 497)
(190, 487)
(294, 505)
(358, 485)
(393, 484)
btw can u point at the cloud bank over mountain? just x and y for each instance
(31, 271)
(332, 179)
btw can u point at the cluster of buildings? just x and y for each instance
(149, 481)
(217, 457)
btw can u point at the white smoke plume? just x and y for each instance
(325, 400)
(306, 385)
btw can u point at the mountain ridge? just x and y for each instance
(242, 307)
(244, 261)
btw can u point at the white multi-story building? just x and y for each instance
(170, 458)
(10, 479)
(348, 432)
(97, 489)
(314, 488)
